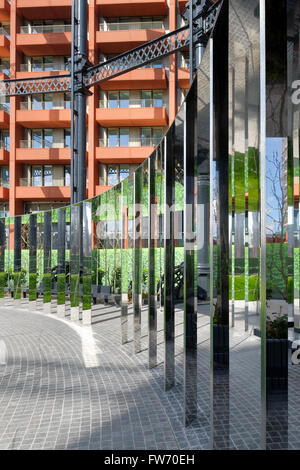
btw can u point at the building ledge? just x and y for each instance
(4, 46)
(45, 118)
(51, 156)
(133, 7)
(121, 41)
(44, 43)
(4, 120)
(4, 10)
(4, 193)
(37, 193)
(4, 156)
(123, 154)
(140, 79)
(110, 117)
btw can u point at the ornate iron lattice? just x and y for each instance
(138, 57)
(28, 86)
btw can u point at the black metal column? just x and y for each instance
(82, 51)
(169, 320)
(152, 249)
(190, 255)
(219, 236)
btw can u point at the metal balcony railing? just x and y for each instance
(40, 182)
(47, 67)
(133, 25)
(132, 103)
(4, 145)
(139, 142)
(4, 183)
(42, 144)
(53, 28)
(40, 105)
(5, 31)
(4, 107)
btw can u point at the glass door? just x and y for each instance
(37, 178)
(124, 137)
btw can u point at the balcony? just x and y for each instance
(51, 67)
(133, 8)
(136, 151)
(38, 193)
(44, 40)
(120, 37)
(4, 152)
(48, 115)
(4, 115)
(30, 70)
(141, 79)
(4, 43)
(4, 10)
(132, 116)
(42, 152)
(34, 10)
(4, 191)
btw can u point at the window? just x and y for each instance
(48, 175)
(112, 175)
(113, 137)
(37, 178)
(4, 140)
(118, 99)
(116, 174)
(67, 138)
(5, 176)
(67, 175)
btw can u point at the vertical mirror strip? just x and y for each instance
(169, 308)
(33, 260)
(75, 262)
(137, 259)
(61, 263)
(152, 253)
(190, 255)
(47, 278)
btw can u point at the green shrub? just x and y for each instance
(86, 291)
(47, 287)
(32, 286)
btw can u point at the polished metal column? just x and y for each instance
(32, 260)
(152, 249)
(86, 262)
(219, 234)
(75, 262)
(124, 261)
(17, 257)
(47, 278)
(137, 260)
(276, 188)
(61, 263)
(169, 310)
(190, 255)
(2, 258)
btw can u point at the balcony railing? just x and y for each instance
(132, 103)
(5, 31)
(134, 25)
(4, 183)
(4, 107)
(47, 67)
(4, 145)
(140, 142)
(42, 144)
(5, 70)
(40, 105)
(53, 28)
(38, 182)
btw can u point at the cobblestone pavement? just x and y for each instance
(65, 386)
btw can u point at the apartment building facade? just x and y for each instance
(126, 116)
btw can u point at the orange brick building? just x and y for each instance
(126, 115)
